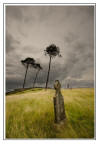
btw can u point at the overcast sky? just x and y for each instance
(30, 29)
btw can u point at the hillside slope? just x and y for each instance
(30, 114)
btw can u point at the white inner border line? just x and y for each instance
(4, 66)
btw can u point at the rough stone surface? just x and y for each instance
(59, 109)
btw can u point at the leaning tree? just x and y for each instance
(38, 67)
(53, 51)
(27, 62)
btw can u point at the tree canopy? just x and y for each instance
(52, 50)
(37, 66)
(28, 61)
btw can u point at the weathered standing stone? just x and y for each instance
(59, 109)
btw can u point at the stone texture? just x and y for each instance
(59, 109)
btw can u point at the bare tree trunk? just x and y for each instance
(35, 78)
(48, 73)
(25, 75)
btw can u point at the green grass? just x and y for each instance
(30, 114)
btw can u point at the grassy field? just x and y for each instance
(30, 114)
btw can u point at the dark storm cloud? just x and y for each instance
(15, 12)
(10, 42)
(80, 59)
(30, 29)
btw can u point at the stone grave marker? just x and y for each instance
(59, 109)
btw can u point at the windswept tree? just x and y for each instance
(27, 62)
(53, 51)
(38, 67)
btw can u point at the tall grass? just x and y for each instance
(31, 114)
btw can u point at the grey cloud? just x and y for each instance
(10, 42)
(71, 28)
(14, 12)
(70, 38)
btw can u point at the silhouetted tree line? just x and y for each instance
(53, 51)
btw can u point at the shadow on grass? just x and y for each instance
(21, 91)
